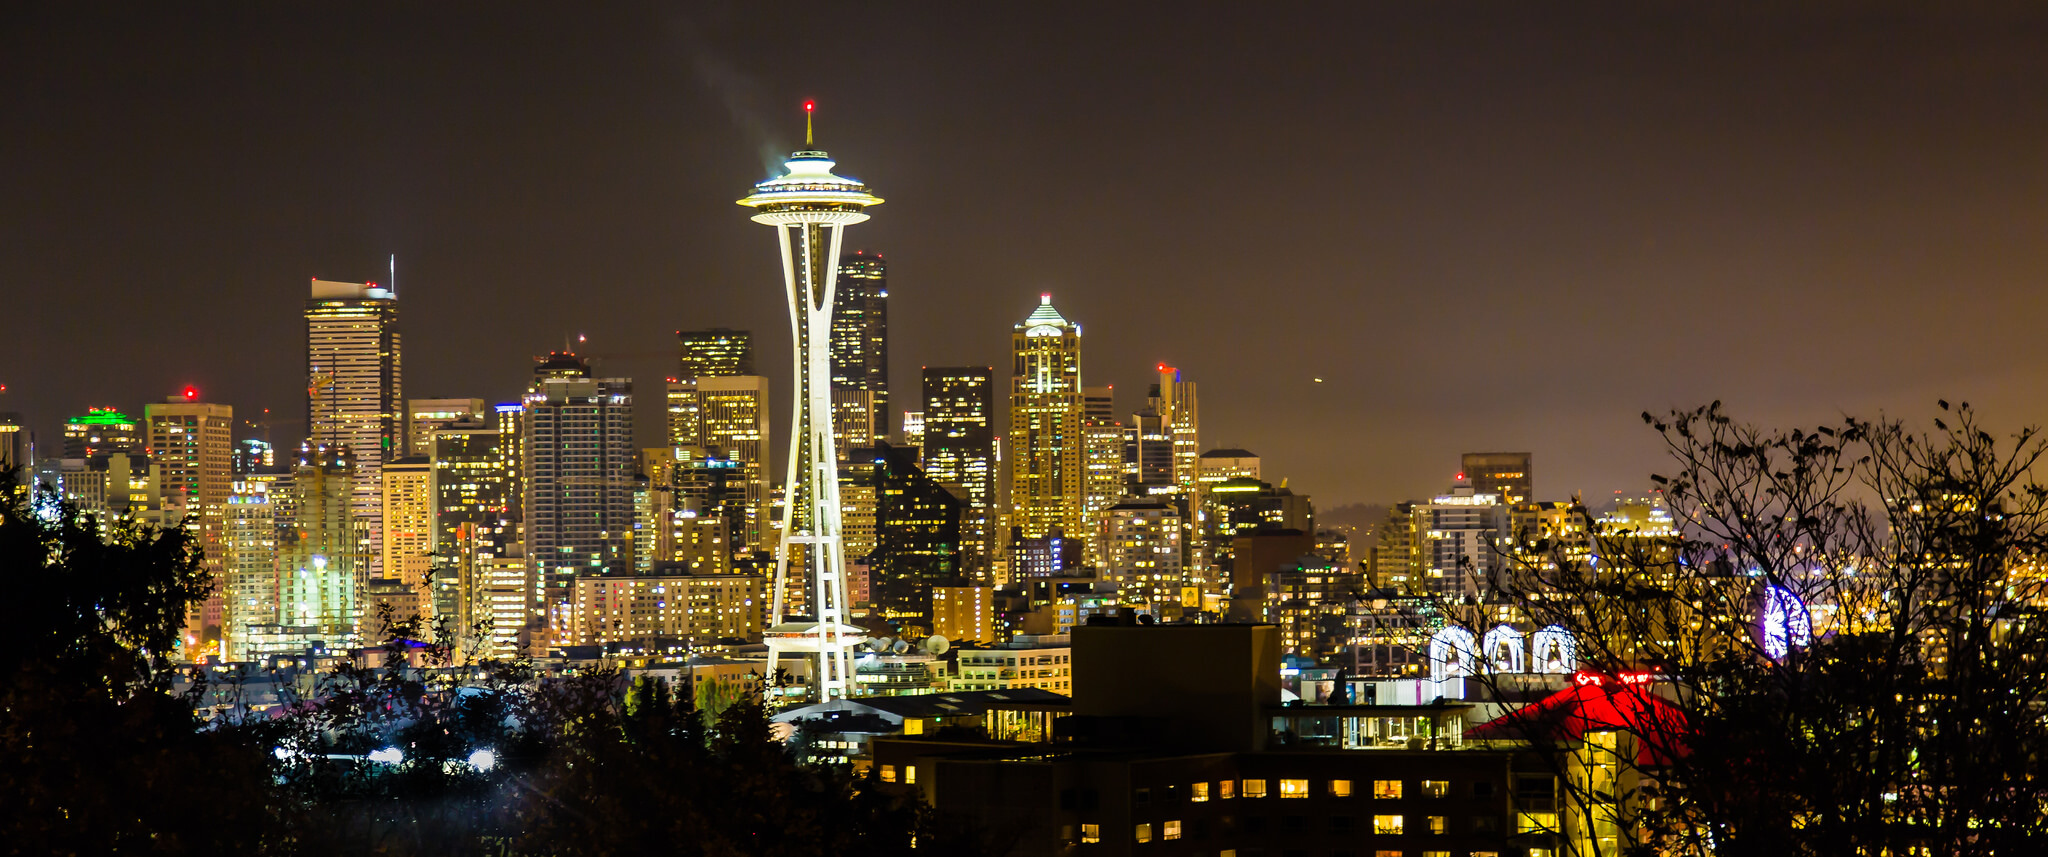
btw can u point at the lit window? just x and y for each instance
(1536, 822)
(1386, 788)
(1293, 788)
(1091, 833)
(1436, 788)
(1226, 789)
(1436, 854)
(1254, 788)
(1387, 824)
(1198, 792)
(910, 773)
(1340, 788)
(1436, 825)
(1170, 830)
(888, 773)
(1144, 832)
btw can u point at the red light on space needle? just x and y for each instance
(810, 106)
(191, 393)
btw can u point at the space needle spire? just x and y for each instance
(809, 207)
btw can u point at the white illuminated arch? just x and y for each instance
(1785, 623)
(1503, 650)
(1450, 653)
(1554, 651)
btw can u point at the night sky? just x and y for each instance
(1492, 226)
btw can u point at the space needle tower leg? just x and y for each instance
(810, 206)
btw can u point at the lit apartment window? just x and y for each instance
(1254, 788)
(1091, 833)
(1226, 789)
(1387, 824)
(909, 773)
(1386, 788)
(1293, 788)
(1535, 822)
(1436, 788)
(1436, 854)
(1170, 830)
(888, 773)
(1144, 832)
(1340, 788)
(1436, 825)
(1198, 792)
(1384, 852)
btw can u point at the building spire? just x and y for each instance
(808, 107)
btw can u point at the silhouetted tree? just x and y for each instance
(1846, 635)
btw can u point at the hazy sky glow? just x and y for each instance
(1486, 226)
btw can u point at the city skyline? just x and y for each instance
(1569, 237)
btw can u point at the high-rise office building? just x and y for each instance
(319, 580)
(1144, 554)
(355, 397)
(1510, 477)
(853, 420)
(1047, 470)
(193, 444)
(1506, 475)
(101, 431)
(860, 337)
(14, 457)
(409, 504)
(476, 489)
(258, 519)
(1174, 400)
(960, 453)
(1460, 539)
(423, 416)
(1102, 439)
(1148, 455)
(917, 537)
(713, 353)
(579, 479)
(733, 425)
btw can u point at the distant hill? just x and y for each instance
(1359, 521)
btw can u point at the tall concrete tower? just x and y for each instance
(809, 207)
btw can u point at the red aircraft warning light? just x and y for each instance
(191, 393)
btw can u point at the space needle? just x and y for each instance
(809, 207)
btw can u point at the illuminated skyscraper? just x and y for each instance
(1509, 476)
(733, 425)
(408, 521)
(354, 396)
(713, 353)
(258, 515)
(319, 580)
(917, 537)
(1102, 439)
(102, 431)
(860, 337)
(423, 416)
(193, 443)
(1174, 400)
(809, 207)
(579, 479)
(476, 499)
(1047, 466)
(960, 453)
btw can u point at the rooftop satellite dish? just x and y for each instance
(936, 645)
(900, 646)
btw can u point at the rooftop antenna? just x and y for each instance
(394, 275)
(808, 107)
